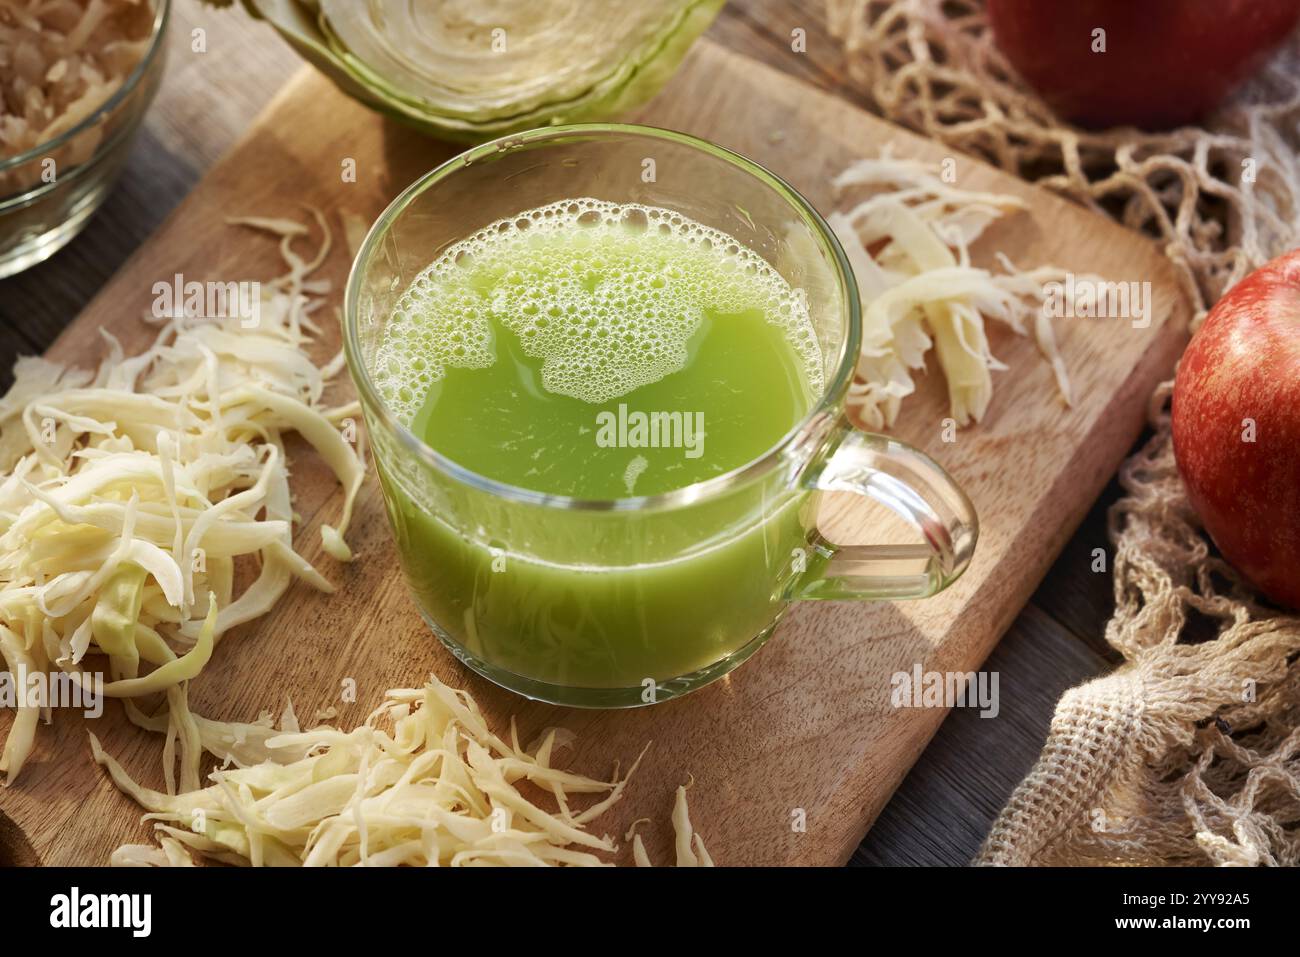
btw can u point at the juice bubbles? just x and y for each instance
(599, 352)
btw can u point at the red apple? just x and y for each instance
(1236, 423)
(1167, 62)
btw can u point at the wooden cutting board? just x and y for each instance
(804, 731)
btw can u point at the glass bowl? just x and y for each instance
(48, 193)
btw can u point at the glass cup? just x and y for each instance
(630, 601)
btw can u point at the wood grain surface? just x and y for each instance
(807, 723)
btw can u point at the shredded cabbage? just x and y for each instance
(688, 844)
(423, 782)
(129, 494)
(907, 237)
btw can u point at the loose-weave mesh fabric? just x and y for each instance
(1189, 752)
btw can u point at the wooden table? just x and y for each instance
(944, 808)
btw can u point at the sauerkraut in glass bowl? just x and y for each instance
(75, 79)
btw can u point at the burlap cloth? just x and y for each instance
(1189, 752)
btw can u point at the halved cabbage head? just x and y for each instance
(471, 70)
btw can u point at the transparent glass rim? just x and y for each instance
(162, 14)
(811, 423)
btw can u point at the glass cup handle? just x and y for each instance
(914, 487)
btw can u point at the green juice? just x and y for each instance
(598, 352)
(739, 390)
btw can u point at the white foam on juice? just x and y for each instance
(606, 295)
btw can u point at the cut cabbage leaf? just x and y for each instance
(688, 844)
(169, 853)
(128, 494)
(907, 236)
(471, 70)
(423, 782)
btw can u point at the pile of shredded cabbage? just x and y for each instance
(128, 494)
(423, 782)
(908, 238)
